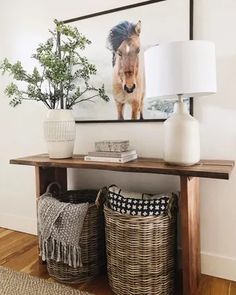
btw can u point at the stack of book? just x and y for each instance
(112, 151)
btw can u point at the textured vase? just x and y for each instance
(182, 139)
(59, 132)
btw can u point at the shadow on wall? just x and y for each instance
(138, 182)
(226, 81)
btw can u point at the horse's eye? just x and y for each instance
(119, 53)
(138, 50)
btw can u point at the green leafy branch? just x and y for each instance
(64, 74)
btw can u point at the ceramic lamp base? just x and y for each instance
(182, 140)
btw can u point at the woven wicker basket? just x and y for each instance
(141, 253)
(92, 243)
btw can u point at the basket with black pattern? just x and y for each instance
(141, 250)
(92, 242)
(136, 203)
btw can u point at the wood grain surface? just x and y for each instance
(205, 168)
(46, 175)
(190, 229)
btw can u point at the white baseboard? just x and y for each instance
(216, 265)
(219, 266)
(19, 223)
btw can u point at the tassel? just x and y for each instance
(55, 250)
(52, 250)
(46, 250)
(75, 262)
(65, 255)
(58, 251)
(43, 251)
(69, 256)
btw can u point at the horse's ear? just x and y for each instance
(138, 27)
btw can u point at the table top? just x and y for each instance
(220, 169)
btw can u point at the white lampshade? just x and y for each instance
(183, 67)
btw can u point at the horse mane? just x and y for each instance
(118, 34)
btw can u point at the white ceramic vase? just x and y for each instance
(59, 132)
(182, 139)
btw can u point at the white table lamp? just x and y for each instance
(181, 69)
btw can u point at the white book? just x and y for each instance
(112, 154)
(110, 159)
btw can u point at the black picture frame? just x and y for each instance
(126, 7)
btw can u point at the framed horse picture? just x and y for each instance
(119, 38)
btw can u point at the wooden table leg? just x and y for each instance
(46, 175)
(190, 233)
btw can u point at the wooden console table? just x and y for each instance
(56, 170)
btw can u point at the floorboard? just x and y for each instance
(232, 288)
(19, 251)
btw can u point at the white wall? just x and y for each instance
(23, 24)
(215, 20)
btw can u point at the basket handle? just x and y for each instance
(173, 204)
(54, 183)
(101, 197)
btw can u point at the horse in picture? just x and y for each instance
(128, 79)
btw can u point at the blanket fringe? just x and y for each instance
(55, 250)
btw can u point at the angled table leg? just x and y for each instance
(190, 234)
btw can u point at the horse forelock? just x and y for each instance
(113, 58)
(119, 33)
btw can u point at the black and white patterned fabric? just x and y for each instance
(141, 206)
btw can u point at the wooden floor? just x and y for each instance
(19, 251)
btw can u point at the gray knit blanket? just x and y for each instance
(59, 227)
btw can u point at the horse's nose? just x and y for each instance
(129, 89)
